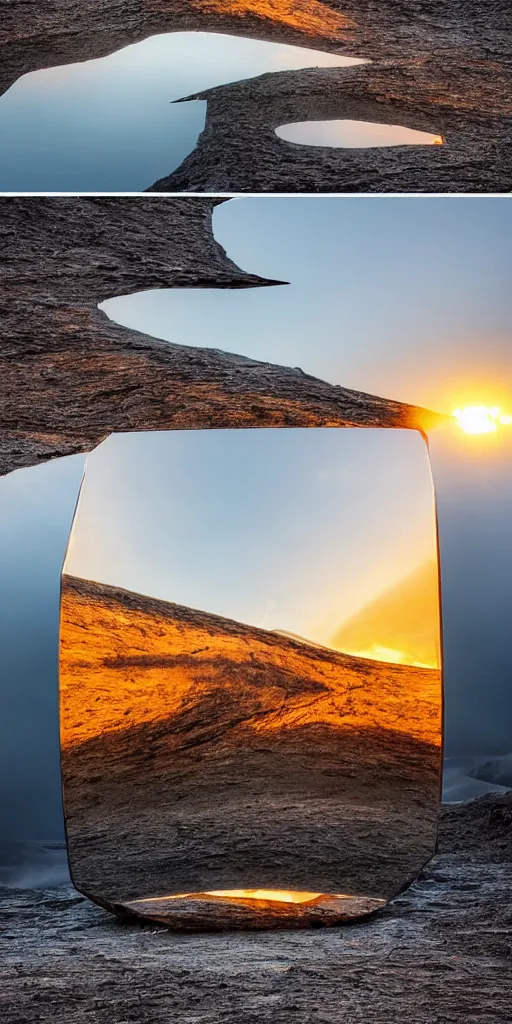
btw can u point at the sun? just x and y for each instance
(481, 419)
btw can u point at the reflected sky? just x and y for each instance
(403, 297)
(110, 125)
(36, 509)
(349, 134)
(281, 529)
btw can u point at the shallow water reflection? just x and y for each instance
(110, 124)
(348, 134)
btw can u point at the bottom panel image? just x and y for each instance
(255, 588)
(250, 694)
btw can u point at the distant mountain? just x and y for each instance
(300, 639)
(401, 625)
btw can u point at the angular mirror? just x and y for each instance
(250, 691)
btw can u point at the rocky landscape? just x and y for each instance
(438, 954)
(239, 149)
(71, 376)
(443, 67)
(202, 754)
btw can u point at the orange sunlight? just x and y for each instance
(269, 895)
(481, 419)
(379, 653)
(313, 17)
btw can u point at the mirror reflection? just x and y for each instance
(249, 675)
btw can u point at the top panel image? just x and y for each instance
(223, 96)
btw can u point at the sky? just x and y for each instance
(403, 297)
(406, 297)
(111, 125)
(347, 134)
(282, 529)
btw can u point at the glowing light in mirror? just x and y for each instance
(274, 895)
(379, 653)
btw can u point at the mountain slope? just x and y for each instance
(199, 753)
(403, 622)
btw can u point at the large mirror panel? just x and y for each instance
(250, 691)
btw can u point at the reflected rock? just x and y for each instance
(200, 754)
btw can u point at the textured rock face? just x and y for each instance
(200, 754)
(447, 70)
(70, 376)
(440, 952)
(34, 36)
(239, 149)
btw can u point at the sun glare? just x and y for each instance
(272, 895)
(481, 419)
(390, 654)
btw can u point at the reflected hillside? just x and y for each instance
(220, 756)
(111, 645)
(401, 625)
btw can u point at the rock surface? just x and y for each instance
(240, 151)
(439, 954)
(442, 66)
(218, 755)
(70, 376)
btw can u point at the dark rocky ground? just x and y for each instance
(443, 65)
(439, 954)
(70, 376)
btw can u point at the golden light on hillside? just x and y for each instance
(390, 654)
(400, 626)
(481, 419)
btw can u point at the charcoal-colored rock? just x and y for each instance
(439, 953)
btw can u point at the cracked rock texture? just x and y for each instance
(468, 105)
(221, 756)
(439, 954)
(70, 376)
(447, 64)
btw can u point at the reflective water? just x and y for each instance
(353, 134)
(111, 125)
(225, 761)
